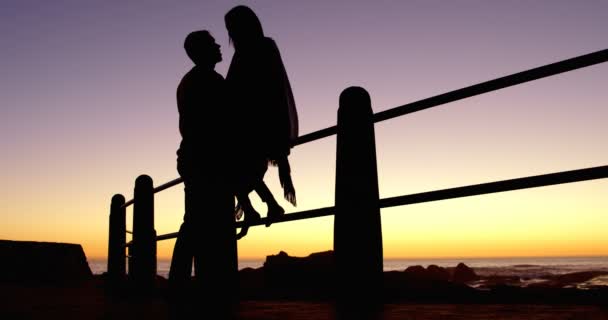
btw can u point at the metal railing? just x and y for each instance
(354, 113)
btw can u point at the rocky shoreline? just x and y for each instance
(289, 287)
(311, 277)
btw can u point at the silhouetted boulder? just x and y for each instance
(252, 282)
(312, 277)
(431, 273)
(285, 276)
(463, 274)
(318, 260)
(27, 262)
(300, 276)
(420, 284)
(437, 273)
(415, 272)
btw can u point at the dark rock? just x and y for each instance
(36, 263)
(437, 273)
(431, 273)
(463, 274)
(287, 276)
(252, 282)
(419, 284)
(312, 277)
(415, 271)
(568, 279)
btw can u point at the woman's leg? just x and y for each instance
(274, 209)
(250, 214)
(265, 194)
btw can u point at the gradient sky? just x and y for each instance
(88, 104)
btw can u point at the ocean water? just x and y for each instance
(529, 268)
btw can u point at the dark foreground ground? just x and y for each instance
(53, 281)
(91, 301)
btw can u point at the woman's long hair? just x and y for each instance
(243, 25)
(245, 31)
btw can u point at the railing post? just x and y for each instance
(130, 260)
(117, 239)
(143, 250)
(357, 225)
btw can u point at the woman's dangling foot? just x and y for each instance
(251, 217)
(274, 211)
(243, 232)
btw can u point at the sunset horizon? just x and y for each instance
(89, 105)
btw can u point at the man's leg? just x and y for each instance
(216, 258)
(180, 271)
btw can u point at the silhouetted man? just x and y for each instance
(203, 161)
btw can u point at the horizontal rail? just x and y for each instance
(499, 186)
(314, 213)
(164, 236)
(309, 137)
(451, 193)
(459, 94)
(497, 84)
(160, 188)
(477, 89)
(168, 185)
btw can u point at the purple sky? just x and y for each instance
(88, 96)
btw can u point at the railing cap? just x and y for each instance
(354, 96)
(118, 200)
(144, 181)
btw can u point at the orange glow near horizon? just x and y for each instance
(564, 220)
(89, 104)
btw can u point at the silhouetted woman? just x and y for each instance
(267, 121)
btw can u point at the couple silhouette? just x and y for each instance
(232, 129)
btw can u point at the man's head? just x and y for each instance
(202, 48)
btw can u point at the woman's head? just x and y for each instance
(243, 25)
